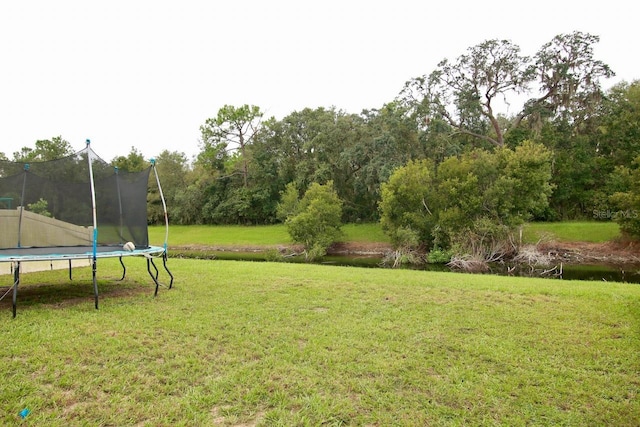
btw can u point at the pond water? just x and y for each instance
(606, 273)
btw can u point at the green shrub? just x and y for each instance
(439, 256)
(315, 220)
(40, 207)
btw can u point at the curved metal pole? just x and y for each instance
(164, 205)
(166, 225)
(95, 223)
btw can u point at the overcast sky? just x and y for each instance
(147, 74)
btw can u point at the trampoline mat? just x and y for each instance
(72, 252)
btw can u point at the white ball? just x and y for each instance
(129, 246)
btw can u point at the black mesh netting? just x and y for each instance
(58, 205)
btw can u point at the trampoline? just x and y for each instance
(77, 208)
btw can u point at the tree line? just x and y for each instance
(570, 150)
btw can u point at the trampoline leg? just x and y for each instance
(95, 283)
(155, 278)
(153, 264)
(124, 269)
(164, 263)
(16, 282)
(70, 275)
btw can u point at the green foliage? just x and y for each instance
(409, 202)
(461, 93)
(132, 162)
(288, 202)
(172, 169)
(626, 204)
(619, 127)
(446, 113)
(240, 205)
(528, 170)
(568, 77)
(407, 244)
(245, 162)
(470, 202)
(506, 186)
(316, 220)
(407, 238)
(273, 255)
(483, 239)
(574, 162)
(45, 149)
(386, 140)
(439, 256)
(40, 207)
(233, 130)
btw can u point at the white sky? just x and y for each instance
(147, 74)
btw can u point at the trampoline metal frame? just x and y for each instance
(24, 254)
(148, 253)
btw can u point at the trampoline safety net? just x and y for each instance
(51, 203)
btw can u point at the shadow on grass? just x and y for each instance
(60, 294)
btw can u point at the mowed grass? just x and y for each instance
(270, 235)
(220, 235)
(244, 343)
(572, 231)
(260, 235)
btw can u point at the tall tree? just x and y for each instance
(568, 79)
(233, 129)
(45, 149)
(172, 168)
(387, 140)
(320, 145)
(626, 204)
(619, 125)
(465, 93)
(132, 162)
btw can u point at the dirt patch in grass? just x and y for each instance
(617, 252)
(359, 248)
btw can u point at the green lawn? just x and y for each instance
(572, 231)
(221, 235)
(587, 231)
(243, 343)
(252, 235)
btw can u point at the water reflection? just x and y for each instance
(604, 272)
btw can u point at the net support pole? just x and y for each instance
(121, 234)
(24, 186)
(164, 205)
(166, 224)
(95, 223)
(16, 282)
